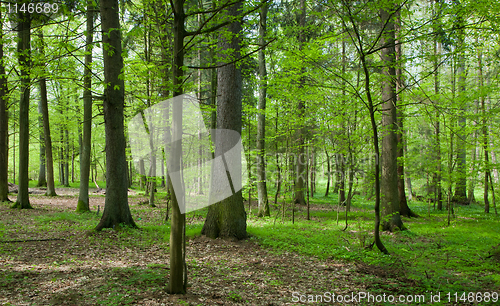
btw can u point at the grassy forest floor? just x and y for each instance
(64, 262)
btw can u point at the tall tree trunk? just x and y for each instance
(49, 160)
(438, 194)
(66, 156)
(261, 123)
(227, 218)
(484, 127)
(313, 172)
(42, 180)
(328, 173)
(356, 38)
(142, 175)
(83, 195)
(389, 182)
(460, 195)
(300, 161)
(116, 208)
(178, 271)
(342, 170)
(404, 210)
(24, 51)
(4, 125)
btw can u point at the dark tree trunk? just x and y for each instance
(438, 194)
(142, 175)
(389, 181)
(328, 173)
(460, 195)
(404, 209)
(116, 209)
(341, 185)
(66, 157)
(178, 276)
(49, 160)
(4, 126)
(227, 218)
(83, 196)
(485, 141)
(300, 160)
(42, 180)
(261, 123)
(24, 51)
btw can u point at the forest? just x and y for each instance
(231, 152)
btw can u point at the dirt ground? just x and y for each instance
(81, 267)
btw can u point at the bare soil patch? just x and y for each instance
(81, 267)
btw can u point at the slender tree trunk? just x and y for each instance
(66, 157)
(351, 182)
(338, 177)
(484, 122)
(389, 183)
(178, 272)
(300, 162)
(72, 164)
(438, 194)
(313, 172)
(473, 176)
(342, 170)
(116, 208)
(227, 218)
(4, 125)
(404, 210)
(371, 110)
(460, 195)
(142, 174)
(278, 168)
(328, 173)
(83, 196)
(263, 202)
(199, 182)
(49, 161)
(162, 171)
(42, 180)
(24, 51)
(407, 176)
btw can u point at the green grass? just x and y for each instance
(429, 253)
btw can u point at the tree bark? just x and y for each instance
(227, 218)
(328, 173)
(116, 208)
(300, 160)
(460, 195)
(66, 156)
(83, 196)
(4, 125)
(42, 179)
(438, 194)
(389, 181)
(49, 160)
(263, 202)
(341, 171)
(404, 209)
(484, 127)
(178, 275)
(24, 51)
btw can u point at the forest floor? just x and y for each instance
(50, 256)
